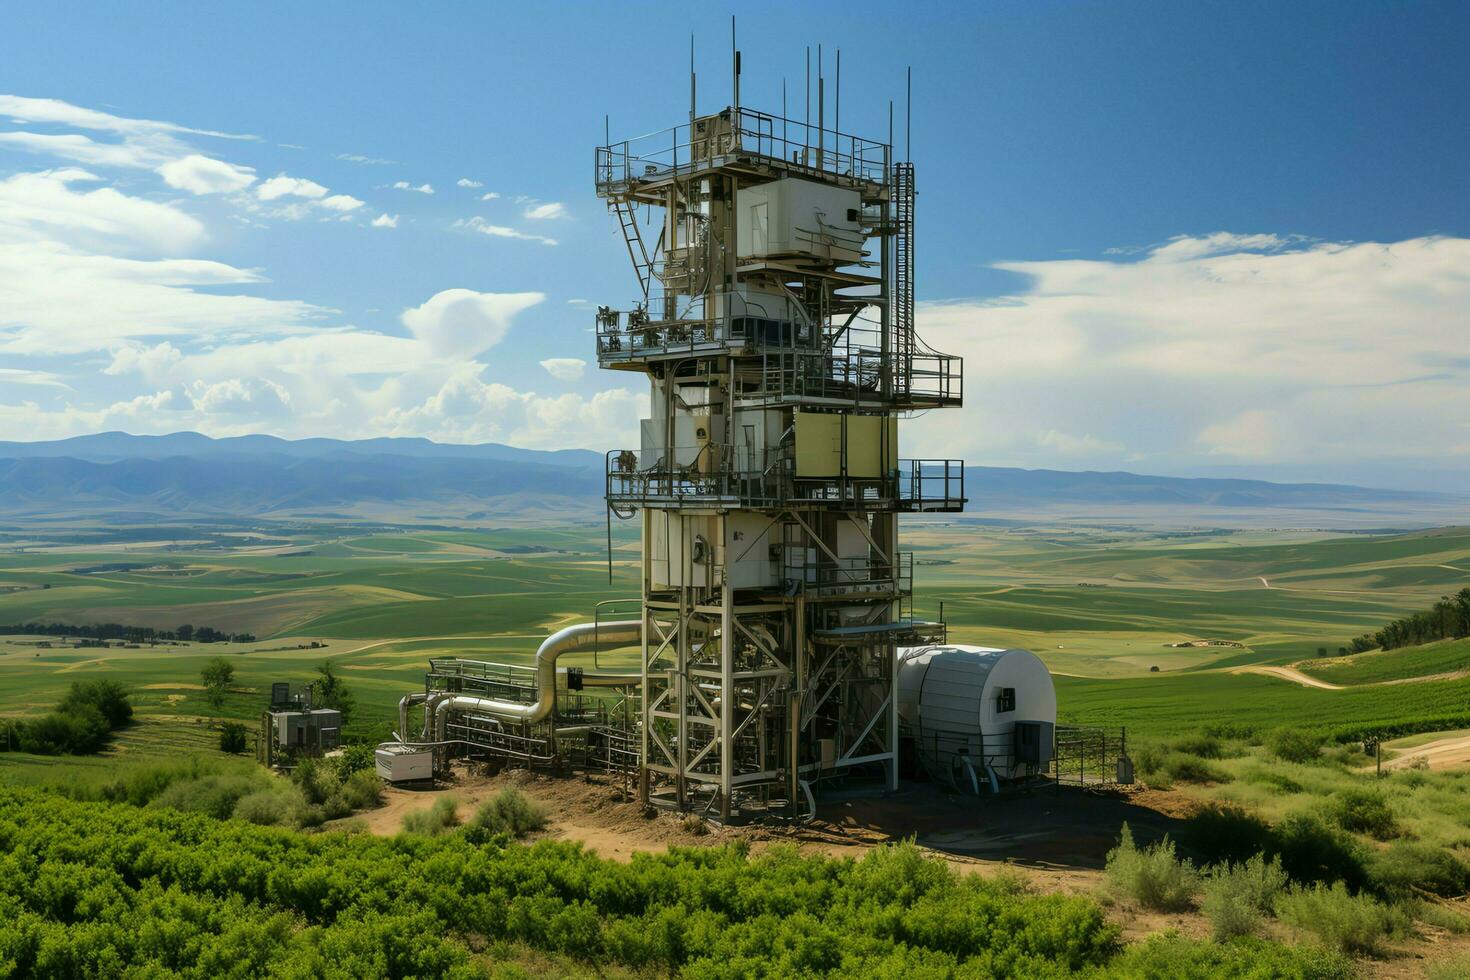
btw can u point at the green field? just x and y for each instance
(1101, 605)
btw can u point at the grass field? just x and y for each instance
(1102, 606)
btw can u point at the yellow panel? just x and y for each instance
(818, 444)
(870, 443)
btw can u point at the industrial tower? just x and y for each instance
(775, 325)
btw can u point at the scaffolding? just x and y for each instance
(776, 330)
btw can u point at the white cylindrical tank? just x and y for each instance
(961, 704)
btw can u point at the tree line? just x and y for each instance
(1448, 619)
(130, 634)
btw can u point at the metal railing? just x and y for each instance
(742, 476)
(931, 485)
(713, 139)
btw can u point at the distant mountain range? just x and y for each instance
(186, 474)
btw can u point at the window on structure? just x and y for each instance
(1005, 700)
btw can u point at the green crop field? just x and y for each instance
(1113, 611)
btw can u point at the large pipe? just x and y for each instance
(583, 636)
(403, 704)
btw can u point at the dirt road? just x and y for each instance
(1289, 674)
(1442, 753)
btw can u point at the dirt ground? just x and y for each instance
(1443, 753)
(1055, 839)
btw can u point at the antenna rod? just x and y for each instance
(908, 120)
(837, 114)
(807, 137)
(692, 91)
(735, 70)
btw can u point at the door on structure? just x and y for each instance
(760, 228)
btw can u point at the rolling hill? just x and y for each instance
(188, 474)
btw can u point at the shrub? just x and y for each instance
(354, 758)
(1152, 876)
(1160, 767)
(1405, 867)
(80, 730)
(213, 795)
(510, 812)
(1354, 924)
(108, 697)
(439, 819)
(1278, 781)
(1218, 832)
(1312, 851)
(232, 737)
(1457, 968)
(1237, 897)
(1204, 746)
(145, 783)
(317, 781)
(1170, 955)
(276, 806)
(363, 790)
(1363, 811)
(1291, 745)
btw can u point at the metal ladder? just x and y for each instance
(633, 239)
(903, 277)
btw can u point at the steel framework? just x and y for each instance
(776, 330)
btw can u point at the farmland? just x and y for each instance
(1109, 609)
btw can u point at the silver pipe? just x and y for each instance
(403, 704)
(582, 636)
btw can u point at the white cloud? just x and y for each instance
(257, 397)
(44, 206)
(404, 185)
(359, 158)
(66, 114)
(501, 231)
(150, 362)
(386, 221)
(490, 196)
(21, 376)
(1215, 349)
(466, 182)
(565, 368)
(203, 175)
(82, 149)
(59, 301)
(340, 202)
(462, 322)
(543, 212)
(283, 186)
(466, 409)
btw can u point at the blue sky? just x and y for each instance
(1225, 238)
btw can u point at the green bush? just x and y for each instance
(82, 730)
(1312, 851)
(438, 819)
(317, 781)
(1353, 924)
(108, 697)
(510, 812)
(1278, 781)
(1161, 767)
(1204, 746)
(363, 790)
(232, 737)
(354, 758)
(1291, 745)
(1404, 868)
(1169, 956)
(1152, 876)
(1238, 897)
(1218, 832)
(276, 806)
(107, 889)
(1363, 811)
(213, 795)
